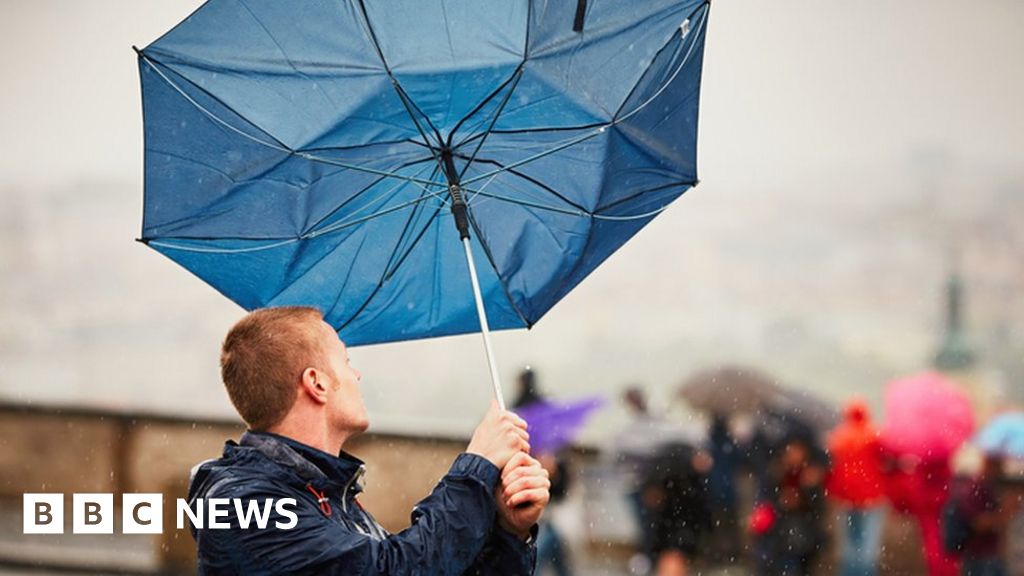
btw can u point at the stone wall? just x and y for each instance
(53, 450)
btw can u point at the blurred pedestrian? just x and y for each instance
(552, 551)
(855, 482)
(787, 519)
(977, 507)
(634, 451)
(676, 497)
(920, 487)
(725, 544)
(528, 391)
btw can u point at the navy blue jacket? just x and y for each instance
(453, 530)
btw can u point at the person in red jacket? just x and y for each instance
(856, 482)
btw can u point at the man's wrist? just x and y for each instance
(523, 535)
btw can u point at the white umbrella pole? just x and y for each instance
(484, 328)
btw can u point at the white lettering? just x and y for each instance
(294, 518)
(195, 517)
(217, 510)
(253, 510)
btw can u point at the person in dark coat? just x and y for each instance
(675, 492)
(978, 503)
(787, 520)
(552, 550)
(725, 544)
(289, 377)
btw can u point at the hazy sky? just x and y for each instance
(840, 143)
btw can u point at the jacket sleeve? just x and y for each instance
(449, 530)
(506, 555)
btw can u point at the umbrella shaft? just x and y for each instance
(484, 328)
(459, 208)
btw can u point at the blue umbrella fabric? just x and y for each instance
(1003, 435)
(310, 153)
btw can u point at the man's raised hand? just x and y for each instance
(523, 493)
(500, 436)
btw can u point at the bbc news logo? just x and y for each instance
(143, 513)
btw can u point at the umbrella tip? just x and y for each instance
(137, 49)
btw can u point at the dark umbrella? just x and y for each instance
(309, 154)
(814, 412)
(729, 389)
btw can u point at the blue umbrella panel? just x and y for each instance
(314, 153)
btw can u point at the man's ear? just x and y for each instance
(314, 385)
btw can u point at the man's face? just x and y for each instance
(347, 411)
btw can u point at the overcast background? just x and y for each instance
(850, 153)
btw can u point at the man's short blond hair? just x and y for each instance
(263, 358)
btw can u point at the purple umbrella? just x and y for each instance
(553, 425)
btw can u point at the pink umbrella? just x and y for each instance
(926, 416)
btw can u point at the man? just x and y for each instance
(289, 377)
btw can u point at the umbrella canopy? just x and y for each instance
(730, 389)
(1003, 435)
(312, 155)
(801, 405)
(554, 425)
(926, 416)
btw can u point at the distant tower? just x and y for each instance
(955, 354)
(956, 357)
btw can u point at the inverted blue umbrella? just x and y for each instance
(308, 153)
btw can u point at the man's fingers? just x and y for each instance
(519, 460)
(515, 472)
(525, 484)
(523, 460)
(518, 421)
(536, 496)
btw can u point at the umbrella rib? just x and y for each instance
(158, 241)
(402, 95)
(402, 235)
(360, 192)
(275, 146)
(640, 193)
(514, 76)
(686, 58)
(519, 69)
(532, 180)
(602, 127)
(412, 245)
(579, 213)
(540, 129)
(595, 124)
(497, 273)
(386, 275)
(497, 113)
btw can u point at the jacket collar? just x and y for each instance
(310, 464)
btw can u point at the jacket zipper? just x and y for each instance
(371, 524)
(348, 486)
